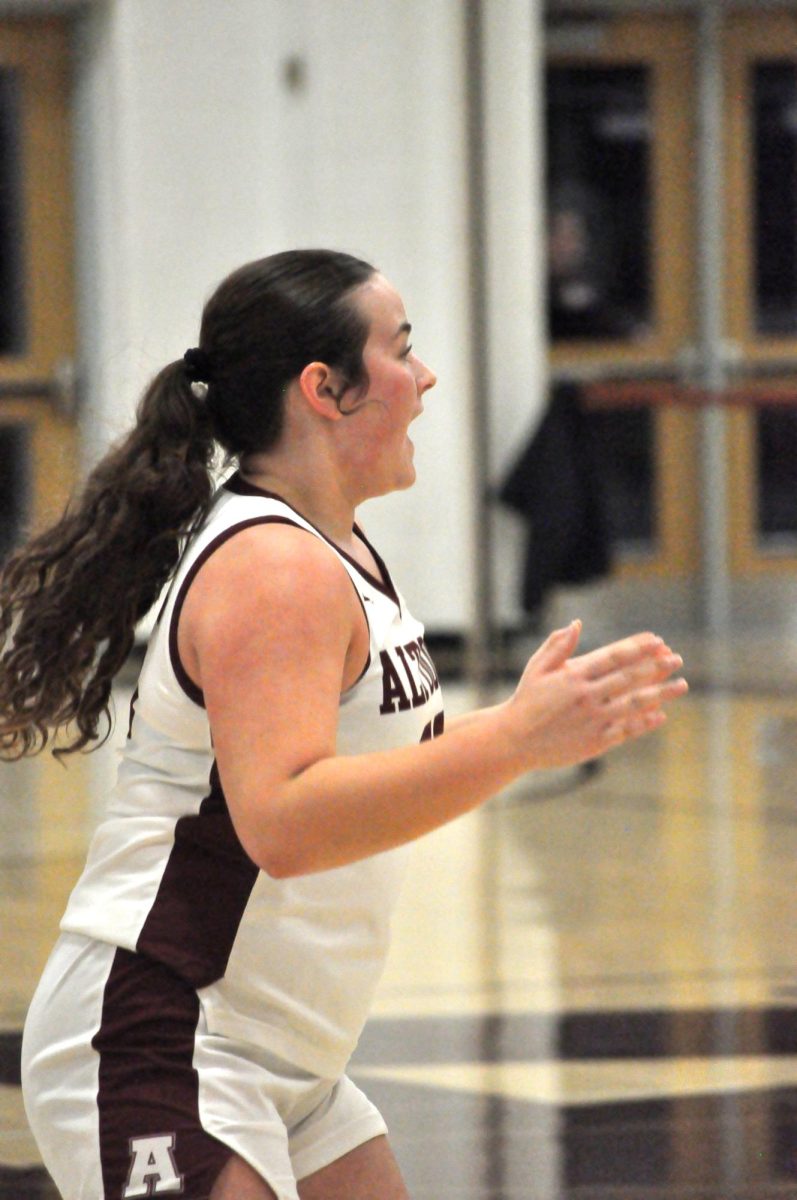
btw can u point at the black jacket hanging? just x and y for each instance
(556, 485)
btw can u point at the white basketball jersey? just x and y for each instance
(290, 965)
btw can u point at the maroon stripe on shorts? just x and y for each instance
(148, 1097)
(203, 892)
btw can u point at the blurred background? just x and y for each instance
(588, 207)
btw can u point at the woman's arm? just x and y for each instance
(267, 630)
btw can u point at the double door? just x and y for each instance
(672, 286)
(38, 434)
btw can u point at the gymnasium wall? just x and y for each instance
(210, 134)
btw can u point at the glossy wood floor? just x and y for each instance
(593, 989)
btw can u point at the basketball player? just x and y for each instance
(217, 958)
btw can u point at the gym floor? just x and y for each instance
(592, 993)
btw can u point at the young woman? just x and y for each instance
(217, 958)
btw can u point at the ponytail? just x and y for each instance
(71, 598)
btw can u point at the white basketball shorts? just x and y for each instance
(128, 1095)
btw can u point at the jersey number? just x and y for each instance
(434, 728)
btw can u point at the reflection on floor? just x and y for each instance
(593, 989)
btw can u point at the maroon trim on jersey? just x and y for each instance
(148, 1087)
(367, 663)
(389, 589)
(183, 678)
(192, 691)
(204, 889)
(242, 487)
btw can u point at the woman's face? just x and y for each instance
(375, 431)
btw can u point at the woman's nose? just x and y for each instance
(426, 377)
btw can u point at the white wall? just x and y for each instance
(374, 160)
(515, 261)
(174, 126)
(194, 155)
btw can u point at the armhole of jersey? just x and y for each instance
(362, 674)
(192, 691)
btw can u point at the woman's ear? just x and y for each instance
(323, 388)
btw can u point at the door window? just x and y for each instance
(598, 155)
(623, 285)
(38, 443)
(13, 324)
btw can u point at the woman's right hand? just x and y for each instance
(568, 709)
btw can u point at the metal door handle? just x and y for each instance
(61, 389)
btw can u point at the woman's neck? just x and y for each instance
(317, 498)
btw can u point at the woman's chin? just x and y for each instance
(409, 473)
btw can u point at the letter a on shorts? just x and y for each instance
(153, 1171)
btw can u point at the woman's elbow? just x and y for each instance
(271, 852)
(266, 825)
(270, 857)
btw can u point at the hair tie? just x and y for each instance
(198, 370)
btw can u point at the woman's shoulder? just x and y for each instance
(259, 557)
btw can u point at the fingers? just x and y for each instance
(567, 709)
(641, 711)
(648, 698)
(673, 690)
(557, 648)
(619, 656)
(627, 679)
(636, 727)
(619, 689)
(623, 654)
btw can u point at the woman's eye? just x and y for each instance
(405, 353)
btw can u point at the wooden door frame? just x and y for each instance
(666, 45)
(39, 50)
(749, 37)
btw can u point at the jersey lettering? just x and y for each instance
(434, 728)
(418, 697)
(394, 697)
(153, 1171)
(418, 671)
(427, 668)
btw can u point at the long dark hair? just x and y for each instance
(71, 598)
